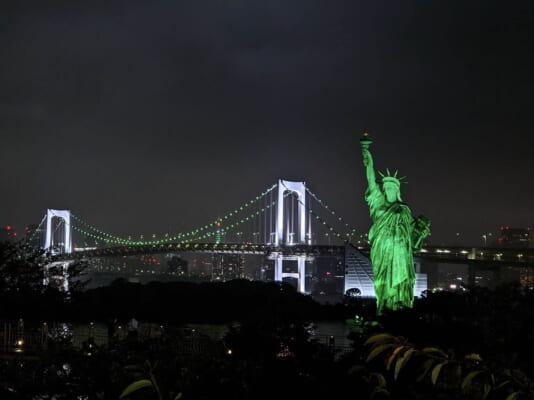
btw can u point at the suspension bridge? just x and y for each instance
(285, 222)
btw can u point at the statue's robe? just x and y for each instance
(391, 251)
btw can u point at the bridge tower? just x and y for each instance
(66, 241)
(63, 245)
(284, 236)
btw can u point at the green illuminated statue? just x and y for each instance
(394, 236)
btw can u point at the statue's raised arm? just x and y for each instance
(368, 163)
(369, 168)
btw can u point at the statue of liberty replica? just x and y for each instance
(394, 236)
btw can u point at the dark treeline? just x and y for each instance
(496, 323)
(488, 332)
(475, 343)
(210, 302)
(173, 302)
(23, 295)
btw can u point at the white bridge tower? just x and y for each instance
(284, 235)
(58, 245)
(66, 241)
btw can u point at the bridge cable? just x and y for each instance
(321, 220)
(30, 237)
(236, 224)
(121, 240)
(267, 208)
(350, 230)
(199, 237)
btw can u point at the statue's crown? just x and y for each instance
(388, 178)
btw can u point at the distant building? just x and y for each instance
(526, 278)
(176, 264)
(514, 237)
(8, 233)
(228, 266)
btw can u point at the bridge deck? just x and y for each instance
(460, 255)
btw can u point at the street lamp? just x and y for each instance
(485, 237)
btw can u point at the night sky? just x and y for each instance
(158, 116)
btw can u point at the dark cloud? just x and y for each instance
(139, 115)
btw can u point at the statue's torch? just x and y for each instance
(365, 140)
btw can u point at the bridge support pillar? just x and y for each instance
(300, 275)
(278, 264)
(60, 274)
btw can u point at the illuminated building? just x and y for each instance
(514, 237)
(228, 266)
(176, 264)
(526, 278)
